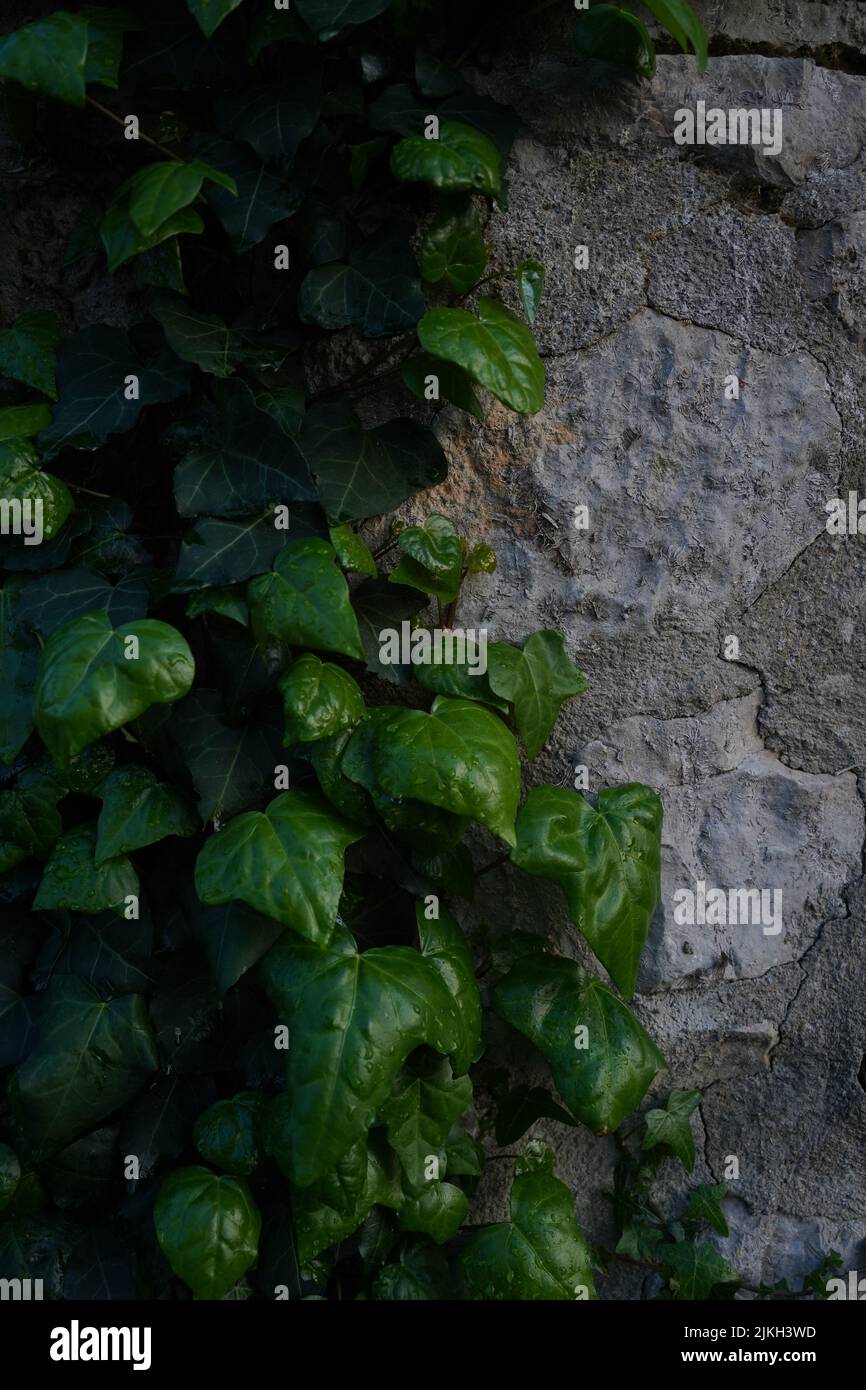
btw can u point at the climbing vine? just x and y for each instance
(248, 763)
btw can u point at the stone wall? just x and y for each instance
(707, 521)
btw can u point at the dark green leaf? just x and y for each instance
(353, 552)
(54, 599)
(208, 1228)
(616, 36)
(461, 160)
(444, 946)
(496, 349)
(227, 1134)
(671, 1128)
(91, 680)
(521, 1107)
(158, 191)
(29, 820)
(48, 56)
(705, 1205)
(122, 239)
(435, 78)
(319, 699)
(353, 1019)
(27, 350)
(397, 109)
(600, 1057)
(262, 198)
(425, 1101)
(19, 661)
(606, 859)
(499, 123)
(226, 552)
(327, 17)
(305, 600)
(420, 1275)
(90, 1058)
(275, 119)
(232, 766)
(680, 20)
(105, 30)
(430, 378)
(20, 422)
(453, 248)
(46, 501)
(380, 607)
(73, 878)
(161, 267)
(465, 680)
(535, 678)
(137, 810)
(378, 290)
(211, 13)
(10, 1174)
(229, 602)
(286, 862)
(695, 1270)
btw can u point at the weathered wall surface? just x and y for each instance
(707, 520)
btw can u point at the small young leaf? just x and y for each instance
(530, 283)
(460, 160)
(671, 1128)
(353, 552)
(705, 1204)
(319, 700)
(496, 349)
(536, 679)
(453, 248)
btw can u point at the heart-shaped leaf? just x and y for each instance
(444, 945)
(496, 349)
(540, 1253)
(305, 600)
(695, 1270)
(606, 859)
(227, 1134)
(211, 13)
(275, 119)
(353, 1020)
(53, 599)
(600, 1057)
(216, 551)
(422, 1107)
(535, 678)
(453, 248)
(159, 191)
(27, 350)
(208, 1228)
(45, 501)
(137, 810)
(319, 699)
(93, 678)
(261, 199)
(671, 1128)
(378, 290)
(73, 879)
(461, 160)
(48, 56)
(286, 862)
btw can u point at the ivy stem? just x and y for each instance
(112, 116)
(494, 864)
(383, 550)
(89, 492)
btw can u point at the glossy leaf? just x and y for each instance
(319, 699)
(459, 757)
(460, 160)
(137, 810)
(615, 35)
(600, 1057)
(45, 500)
(87, 684)
(496, 350)
(91, 1056)
(158, 191)
(419, 1114)
(208, 1228)
(680, 20)
(540, 1253)
(420, 1275)
(453, 249)
(27, 350)
(30, 822)
(20, 422)
(530, 284)
(444, 946)
(352, 550)
(122, 239)
(305, 600)
(671, 1128)
(286, 862)
(227, 1133)
(433, 557)
(353, 1019)
(75, 880)
(48, 56)
(536, 679)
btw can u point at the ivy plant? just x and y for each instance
(241, 1023)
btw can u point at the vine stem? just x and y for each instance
(118, 120)
(77, 487)
(494, 864)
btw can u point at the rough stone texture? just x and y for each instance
(707, 521)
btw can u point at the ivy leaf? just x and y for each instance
(137, 810)
(122, 239)
(234, 938)
(232, 767)
(499, 123)
(459, 757)
(353, 1019)
(705, 1204)
(672, 1129)
(606, 859)
(275, 119)
(536, 679)
(92, 371)
(496, 349)
(86, 686)
(319, 699)
(396, 109)
(46, 500)
(439, 1210)
(27, 350)
(680, 20)
(326, 18)
(261, 200)
(10, 1174)
(464, 680)
(208, 1228)
(105, 31)
(616, 36)
(197, 337)
(444, 946)
(51, 600)
(378, 290)
(210, 14)
(48, 56)
(243, 465)
(305, 600)
(379, 606)
(453, 249)
(159, 191)
(530, 284)
(74, 880)
(540, 1253)
(363, 473)
(420, 1275)
(20, 422)
(461, 160)
(433, 557)
(338, 1202)
(695, 1270)
(91, 1056)
(227, 1133)
(19, 661)
(429, 378)
(422, 1107)
(286, 862)
(225, 552)
(30, 822)
(352, 550)
(521, 1107)
(161, 267)
(599, 1055)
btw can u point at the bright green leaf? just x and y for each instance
(208, 1228)
(671, 1128)
(535, 678)
(319, 699)
(305, 600)
(453, 248)
(461, 160)
(496, 349)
